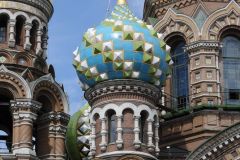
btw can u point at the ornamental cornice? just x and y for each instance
(57, 129)
(58, 117)
(216, 143)
(123, 89)
(203, 45)
(44, 5)
(30, 105)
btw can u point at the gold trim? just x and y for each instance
(121, 2)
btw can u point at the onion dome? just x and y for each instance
(122, 47)
(78, 135)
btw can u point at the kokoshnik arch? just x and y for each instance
(33, 106)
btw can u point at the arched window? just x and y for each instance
(143, 127)
(41, 130)
(6, 123)
(33, 35)
(20, 30)
(231, 69)
(112, 127)
(3, 28)
(179, 74)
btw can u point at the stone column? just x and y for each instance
(39, 50)
(24, 113)
(53, 146)
(93, 139)
(45, 44)
(11, 40)
(150, 144)
(119, 132)
(103, 144)
(137, 142)
(157, 150)
(27, 44)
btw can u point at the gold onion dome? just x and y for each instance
(122, 47)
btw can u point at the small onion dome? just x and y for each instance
(78, 135)
(122, 47)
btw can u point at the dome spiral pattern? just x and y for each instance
(122, 47)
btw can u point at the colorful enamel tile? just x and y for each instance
(122, 47)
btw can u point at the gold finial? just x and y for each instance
(120, 2)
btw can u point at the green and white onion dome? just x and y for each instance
(122, 47)
(78, 135)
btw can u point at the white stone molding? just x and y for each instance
(103, 143)
(18, 80)
(217, 144)
(157, 150)
(93, 137)
(137, 142)
(45, 44)
(125, 106)
(118, 109)
(181, 24)
(119, 141)
(11, 40)
(34, 18)
(39, 50)
(27, 44)
(25, 110)
(215, 19)
(7, 12)
(123, 153)
(20, 13)
(49, 79)
(150, 144)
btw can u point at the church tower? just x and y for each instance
(203, 91)
(33, 106)
(121, 64)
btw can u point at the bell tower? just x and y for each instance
(33, 106)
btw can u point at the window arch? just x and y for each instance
(20, 30)
(143, 126)
(3, 27)
(231, 69)
(179, 83)
(6, 123)
(41, 130)
(33, 35)
(112, 136)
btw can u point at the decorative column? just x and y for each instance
(27, 44)
(157, 150)
(54, 125)
(93, 138)
(119, 132)
(150, 144)
(137, 142)
(45, 44)
(39, 50)
(103, 144)
(24, 114)
(11, 40)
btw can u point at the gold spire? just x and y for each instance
(120, 2)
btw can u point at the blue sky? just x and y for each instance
(70, 20)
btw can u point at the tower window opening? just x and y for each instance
(20, 30)
(33, 35)
(3, 28)
(179, 80)
(231, 69)
(143, 127)
(112, 127)
(234, 94)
